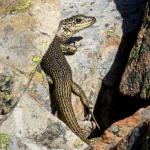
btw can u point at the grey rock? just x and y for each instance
(27, 34)
(32, 127)
(96, 52)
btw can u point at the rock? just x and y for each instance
(32, 127)
(89, 63)
(100, 44)
(128, 134)
(96, 53)
(97, 49)
(26, 31)
(136, 78)
(92, 63)
(25, 35)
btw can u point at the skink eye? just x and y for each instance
(78, 20)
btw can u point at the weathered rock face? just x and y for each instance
(95, 54)
(136, 78)
(98, 47)
(27, 27)
(25, 35)
(97, 65)
(131, 133)
(9, 6)
(31, 127)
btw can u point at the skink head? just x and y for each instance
(74, 24)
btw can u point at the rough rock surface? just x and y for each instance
(98, 47)
(95, 54)
(31, 127)
(21, 44)
(26, 31)
(136, 78)
(100, 43)
(27, 27)
(132, 133)
(25, 35)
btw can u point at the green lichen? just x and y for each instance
(23, 5)
(8, 78)
(36, 59)
(8, 97)
(110, 32)
(143, 93)
(138, 79)
(78, 143)
(137, 51)
(114, 129)
(132, 79)
(31, 75)
(14, 6)
(4, 141)
(145, 89)
(42, 75)
(45, 45)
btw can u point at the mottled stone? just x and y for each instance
(27, 29)
(27, 34)
(127, 134)
(96, 50)
(136, 78)
(12, 86)
(35, 128)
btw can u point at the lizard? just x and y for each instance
(56, 66)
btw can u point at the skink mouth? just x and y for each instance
(93, 20)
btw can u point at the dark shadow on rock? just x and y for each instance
(52, 98)
(74, 39)
(111, 105)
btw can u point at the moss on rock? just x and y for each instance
(4, 141)
(23, 5)
(17, 6)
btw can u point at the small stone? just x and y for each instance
(114, 129)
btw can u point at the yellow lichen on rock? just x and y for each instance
(4, 141)
(24, 5)
(9, 6)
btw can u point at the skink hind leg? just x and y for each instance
(77, 90)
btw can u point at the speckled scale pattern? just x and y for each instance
(55, 65)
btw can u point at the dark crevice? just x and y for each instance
(111, 105)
